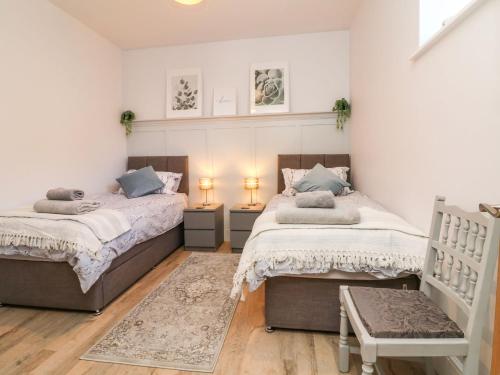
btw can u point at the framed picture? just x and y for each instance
(224, 102)
(184, 93)
(269, 91)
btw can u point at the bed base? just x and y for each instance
(313, 303)
(55, 284)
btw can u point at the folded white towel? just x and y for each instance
(62, 194)
(315, 199)
(65, 207)
(286, 214)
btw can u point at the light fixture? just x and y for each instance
(189, 2)
(205, 183)
(251, 183)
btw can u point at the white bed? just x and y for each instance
(382, 245)
(149, 217)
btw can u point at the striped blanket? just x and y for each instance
(70, 233)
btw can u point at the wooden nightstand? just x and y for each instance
(203, 227)
(242, 217)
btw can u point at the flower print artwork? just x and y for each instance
(269, 88)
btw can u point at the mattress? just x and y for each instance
(381, 246)
(149, 217)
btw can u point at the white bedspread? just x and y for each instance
(148, 216)
(65, 233)
(382, 243)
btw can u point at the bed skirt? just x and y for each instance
(313, 303)
(55, 284)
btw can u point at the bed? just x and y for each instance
(298, 294)
(157, 231)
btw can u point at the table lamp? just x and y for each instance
(251, 183)
(205, 183)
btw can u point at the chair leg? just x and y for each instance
(367, 368)
(343, 344)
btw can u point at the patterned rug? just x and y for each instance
(182, 324)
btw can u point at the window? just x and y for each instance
(436, 14)
(438, 17)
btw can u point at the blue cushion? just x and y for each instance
(320, 178)
(141, 182)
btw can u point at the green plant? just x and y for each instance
(126, 120)
(343, 110)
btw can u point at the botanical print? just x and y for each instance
(184, 93)
(269, 88)
(185, 90)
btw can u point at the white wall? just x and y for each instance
(426, 127)
(319, 70)
(230, 149)
(60, 104)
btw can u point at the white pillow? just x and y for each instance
(292, 176)
(171, 180)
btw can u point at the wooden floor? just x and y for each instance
(41, 341)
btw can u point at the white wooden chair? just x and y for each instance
(456, 280)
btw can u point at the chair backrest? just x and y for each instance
(460, 264)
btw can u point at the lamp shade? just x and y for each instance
(205, 183)
(251, 183)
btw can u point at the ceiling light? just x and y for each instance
(189, 2)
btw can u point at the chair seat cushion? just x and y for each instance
(397, 313)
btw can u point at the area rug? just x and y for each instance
(182, 324)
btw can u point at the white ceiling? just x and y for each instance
(148, 23)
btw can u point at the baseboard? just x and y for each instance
(445, 366)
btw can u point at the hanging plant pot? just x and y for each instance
(126, 120)
(343, 110)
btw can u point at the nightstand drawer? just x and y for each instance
(199, 220)
(243, 220)
(199, 238)
(239, 238)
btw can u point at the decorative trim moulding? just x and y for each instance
(251, 118)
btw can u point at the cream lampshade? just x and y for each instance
(206, 183)
(251, 183)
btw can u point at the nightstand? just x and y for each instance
(242, 217)
(203, 227)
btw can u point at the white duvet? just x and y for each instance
(382, 243)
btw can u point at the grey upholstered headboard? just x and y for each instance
(178, 164)
(307, 161)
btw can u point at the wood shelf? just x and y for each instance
(211, 119)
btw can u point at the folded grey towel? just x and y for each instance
(286, 214)
(315, 199)
(62, 194)
(65, 207)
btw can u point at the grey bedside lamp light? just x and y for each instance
(206, 183)
(251, 183)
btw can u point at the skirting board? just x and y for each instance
(445, 366)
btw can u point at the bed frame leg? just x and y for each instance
(269, 329)
(1, 305)
(97, 312)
